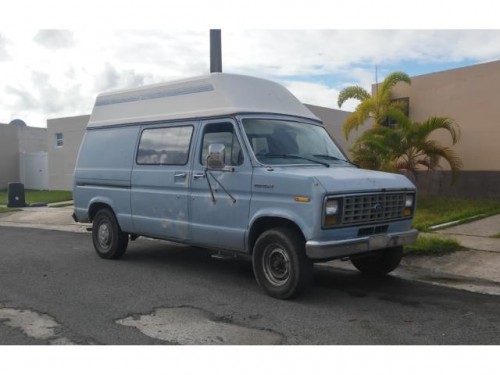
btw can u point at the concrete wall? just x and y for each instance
(471, 97)
(333, 120)
(32, 140)
(17, 142)
(471, 184)
(62, 159)
(9, 155)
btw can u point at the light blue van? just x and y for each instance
(237, 165)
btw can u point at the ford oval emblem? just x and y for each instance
(378, 207)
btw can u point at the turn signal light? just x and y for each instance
(302, 199)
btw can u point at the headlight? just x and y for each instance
(332, 207)
(331, 215)
(409, 200)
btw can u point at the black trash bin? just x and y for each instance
(16, 195)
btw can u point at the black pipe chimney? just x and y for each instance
(215, 51)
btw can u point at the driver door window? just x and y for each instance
(222, 133)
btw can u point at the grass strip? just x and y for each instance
(431, 244)
(40, 196)
(439, 210)
(6, 209)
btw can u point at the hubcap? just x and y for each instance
(104, 235)
(276, 266)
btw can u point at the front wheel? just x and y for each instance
(381, 263)
(280, 265)
(109, 241)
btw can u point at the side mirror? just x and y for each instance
(216, 158)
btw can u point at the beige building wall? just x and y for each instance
(62, 158)
(9, 155)
(470, 96)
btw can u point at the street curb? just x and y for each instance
(458, 222)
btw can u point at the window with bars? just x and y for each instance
(59, 139)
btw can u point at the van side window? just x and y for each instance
(165, 146)
(222, 133)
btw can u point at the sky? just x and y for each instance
(56, 69)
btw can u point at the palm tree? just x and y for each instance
(375, 106)
(407, 146)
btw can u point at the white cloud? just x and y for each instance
(3, 52)
(56, 73)
(313, 93)
(55, 39)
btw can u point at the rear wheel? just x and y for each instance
(381, 263)
(280, 264)
(109, 241)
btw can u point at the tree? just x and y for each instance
(375, 106)
(407, 146)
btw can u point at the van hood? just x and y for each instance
(348, 179)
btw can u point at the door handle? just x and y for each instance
(180, 175)
(198, 175)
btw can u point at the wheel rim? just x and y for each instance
(104, 235)
(276, 265)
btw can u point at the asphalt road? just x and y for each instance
(55, 290)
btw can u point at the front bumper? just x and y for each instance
(324, 250)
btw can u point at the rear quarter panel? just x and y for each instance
(103, 170)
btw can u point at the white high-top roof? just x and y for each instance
(205, 96)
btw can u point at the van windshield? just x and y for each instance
(279, 142)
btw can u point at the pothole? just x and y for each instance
(33, 324)
(191, 326)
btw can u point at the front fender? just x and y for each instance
(283, 214)
(272, 217)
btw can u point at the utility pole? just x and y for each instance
(215, 51)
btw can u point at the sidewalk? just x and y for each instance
(478, 235)
(51, 218)
(476, 268)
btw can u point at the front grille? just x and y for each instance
(370, 208)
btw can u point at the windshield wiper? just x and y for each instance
(292, 156)
(334, 158)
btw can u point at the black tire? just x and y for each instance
(381, 263)
(109, 241)
(280, 265)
